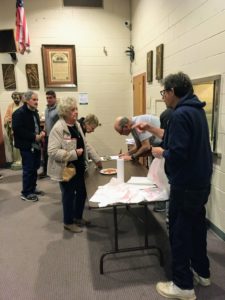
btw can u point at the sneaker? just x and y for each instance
(73, 228)
(170, 290)
(1, 176)
(29, 198)
(42, 175)
(82, 222)
(39, 192)
(201, 280)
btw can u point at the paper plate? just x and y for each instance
(108, 171)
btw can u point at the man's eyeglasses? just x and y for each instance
(164, 91)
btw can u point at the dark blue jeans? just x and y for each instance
(188, 234)
(73, 198)
(30, 164)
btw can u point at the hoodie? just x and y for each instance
(188, 156)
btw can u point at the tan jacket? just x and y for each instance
(62, 150)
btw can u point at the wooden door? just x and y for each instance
(139, 101)
(139, 94)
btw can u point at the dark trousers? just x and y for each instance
(30, 164)
(45, 154)
(73, 198)
(188, 234)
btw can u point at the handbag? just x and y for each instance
(68, 172)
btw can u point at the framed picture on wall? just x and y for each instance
(32, 76)
(59, 66)
(9, 78)
(159, 62)
(150, 66)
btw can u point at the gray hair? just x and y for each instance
(65, 105)
(91, 120)
(28, 95)
(123, 122)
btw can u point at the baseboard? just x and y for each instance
(215, 229)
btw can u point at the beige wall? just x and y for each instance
(106, 78)
(193, 34)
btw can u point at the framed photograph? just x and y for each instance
(159, 62)
(32, 76)
(150, 66)
(59, 66)
(9, 78)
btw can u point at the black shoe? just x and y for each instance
(29, 198)
(42, 175)
(39, 192)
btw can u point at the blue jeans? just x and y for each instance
(188, 235)
(73, 198)
(30, 163)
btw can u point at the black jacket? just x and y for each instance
(24, 127)
(188, 156)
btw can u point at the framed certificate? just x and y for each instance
(59, 66)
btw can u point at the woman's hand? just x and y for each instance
(79, 151)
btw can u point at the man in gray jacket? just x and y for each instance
(51, 116)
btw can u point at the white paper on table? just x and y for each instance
(114, 157)
(116, 192)
(130, 141)
(141, 180)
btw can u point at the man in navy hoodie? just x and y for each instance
(188, 165)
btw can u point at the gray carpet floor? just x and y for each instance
(41, 261)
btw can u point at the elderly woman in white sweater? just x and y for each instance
(67, 144)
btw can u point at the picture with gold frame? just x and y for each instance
(150, 66)
(159, 62)
(59, 66)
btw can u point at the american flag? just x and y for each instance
(22, 35)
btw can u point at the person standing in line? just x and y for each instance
(188, 165)
(124, 126)
(68, 144)
(27, 136)
(51, 116)
(88, 125)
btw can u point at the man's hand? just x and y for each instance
(144, 126)
(157, 152)
(99, 164)
(40, 136)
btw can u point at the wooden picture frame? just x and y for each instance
(159, 62)
(59, 66)
(32, 76)
(149, 64)
(9, 78)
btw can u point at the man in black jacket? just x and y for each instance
(188, 165)
(27, 137)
